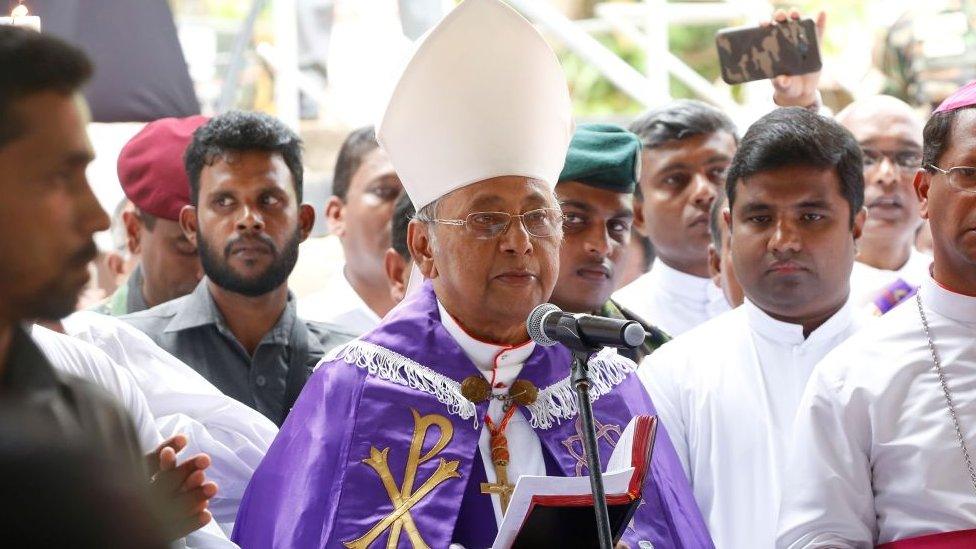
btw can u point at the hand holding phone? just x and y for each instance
(788, 48)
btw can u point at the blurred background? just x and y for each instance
(326, 66)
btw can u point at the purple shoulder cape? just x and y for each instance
(381, 443)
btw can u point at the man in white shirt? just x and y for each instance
(881, 451)
(73, 357)
(890, 135)
(727, 391)
(180, 400)
(364, 190)
(687, 147)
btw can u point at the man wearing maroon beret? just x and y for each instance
(239, 328)
(154, 180)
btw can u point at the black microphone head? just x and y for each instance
(535, 324)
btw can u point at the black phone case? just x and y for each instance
(757, 53)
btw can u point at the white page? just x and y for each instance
(616, 481)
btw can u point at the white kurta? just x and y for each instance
(867, 282)
(503, 364)
(182, 401)
(338, 303)
(875, 456)
(727, 392)
(672, 300)
(80, 359)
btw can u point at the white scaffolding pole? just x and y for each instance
(626, 78)
(654, 42)
(286, 83)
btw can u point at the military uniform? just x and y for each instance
(126, 299)
(655, 337)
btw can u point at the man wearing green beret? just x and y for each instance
(596, 192)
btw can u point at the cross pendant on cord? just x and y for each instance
(500, 487)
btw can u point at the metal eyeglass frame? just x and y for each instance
(947, 173)
(503, 230)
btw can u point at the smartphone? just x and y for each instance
(757, 53)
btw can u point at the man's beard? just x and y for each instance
(219, 271)
(56, 300)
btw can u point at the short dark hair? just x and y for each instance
(679, 119)
(403, 212)
(357, 145)
(935, 136)
(646, 248)
(715, 220)
(794, 136)
(242, 131)
(148, 219)
(33, 63)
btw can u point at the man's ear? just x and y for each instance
(116, 265)
(714, 264)
(189, 223)
(397, 271)
(859, 219)
(640, 222)
(421, 245)
(335, 216)
(922, 184)
(306, 219)
(133, 231)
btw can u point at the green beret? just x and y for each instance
(604, 156)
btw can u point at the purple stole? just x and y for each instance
(892, 295)
(381, 443)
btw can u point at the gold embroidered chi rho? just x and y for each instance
(404, 497)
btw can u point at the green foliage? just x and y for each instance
(593, 95)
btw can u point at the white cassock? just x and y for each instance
(672, 300)
(727, 392)
(80, 359)
(338, 303)
(182, 401)
(867, 281)
(875, 456)
(503, 365)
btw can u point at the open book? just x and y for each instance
(558, 511)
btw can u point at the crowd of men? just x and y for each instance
(813, 372)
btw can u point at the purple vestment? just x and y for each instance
(381, 426)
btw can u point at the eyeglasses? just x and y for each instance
(904, 160)
(962, 178)
(541, 223)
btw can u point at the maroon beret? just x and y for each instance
(151, 167)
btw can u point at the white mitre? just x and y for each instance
(483, 96)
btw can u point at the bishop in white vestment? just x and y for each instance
(876, 457)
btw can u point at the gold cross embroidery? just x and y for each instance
(404, 498)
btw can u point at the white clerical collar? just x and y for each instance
(675, 282)
(792, 334)
(505, 361)
(947, 303)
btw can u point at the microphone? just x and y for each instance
(548, 325)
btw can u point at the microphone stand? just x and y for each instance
(581, 381)
(569, 333)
